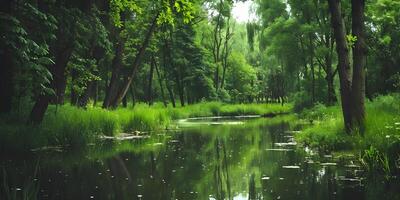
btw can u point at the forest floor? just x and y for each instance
(378, 146)
(71, 126)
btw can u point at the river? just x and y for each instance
(204, 159)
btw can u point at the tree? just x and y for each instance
(352, 89)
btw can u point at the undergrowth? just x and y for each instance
(379, 144)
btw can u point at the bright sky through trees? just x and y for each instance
(243, 11)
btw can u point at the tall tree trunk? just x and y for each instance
(125, 102)
(96, 92)
(89, 91)
(160, 80)
(330, 72)
(61, 78)
(344, 70)
(115, 74)
(165, 68)
(74, 95)
(6, 65)
(138, 59)
(171, 94)
(6, 79)
(226, 50)
(63, 51)
(150, 81)
(359, 60)
(330, 77)
(133, 96)
(312, 67)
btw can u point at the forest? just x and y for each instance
(257, 88)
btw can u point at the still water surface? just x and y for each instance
(205, 159)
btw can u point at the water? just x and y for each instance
(222, 159)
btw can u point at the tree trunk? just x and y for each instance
(171, 95)
(225, 52)
(84, 98)
(61, 78)
(150, 81)
(160, 80)
(63, 51)
(6, 79)
(138, 59)
(74, 95)
(165, 66)
(343, 61)
(6, 66)
(124, 102)
(330, 72)
(359, 55)
(133, 96)
(331, 89)
(96, 92)
(116, 68)
(330, 76)
(312, 69)
(179, 86)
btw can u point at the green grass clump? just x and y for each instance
(144, 118)
(326, 136)
(74, 126)
(382, 132)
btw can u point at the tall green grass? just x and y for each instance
(71, 126)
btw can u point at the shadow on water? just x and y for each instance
(257, 159)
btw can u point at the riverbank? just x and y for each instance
(378, 147)
(71, 126)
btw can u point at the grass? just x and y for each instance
(71, 126)
(379, 144)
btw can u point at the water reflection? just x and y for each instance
(245, 161)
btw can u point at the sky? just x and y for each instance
(242, 11)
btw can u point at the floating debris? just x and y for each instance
(292, 132)
(310, 162)
(291, 167)
(124, 136)
(328, 164)
(352, 166)
(283, 150)
(343, 178)
(49, 148)
(265, 178)
(284, 144)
